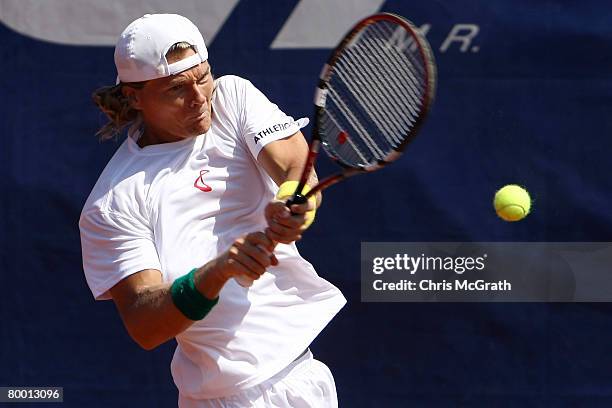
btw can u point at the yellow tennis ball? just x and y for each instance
(512, 203)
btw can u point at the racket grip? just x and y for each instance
(296, 199)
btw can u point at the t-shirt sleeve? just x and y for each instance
(114, 247)
(262, 121)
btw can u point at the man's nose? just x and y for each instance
(199, 98)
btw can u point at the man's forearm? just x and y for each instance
(153, 319)
(284, 160)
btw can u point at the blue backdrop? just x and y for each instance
(527, 101)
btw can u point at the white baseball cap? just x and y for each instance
(140, 53)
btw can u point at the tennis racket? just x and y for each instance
(374, 94)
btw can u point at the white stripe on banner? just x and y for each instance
(95, 22)
(322, 23)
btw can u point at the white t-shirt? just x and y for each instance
(176, 206)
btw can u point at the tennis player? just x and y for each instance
(191, 203)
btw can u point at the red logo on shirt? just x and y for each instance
(200, 184)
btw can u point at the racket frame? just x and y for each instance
(321, 95)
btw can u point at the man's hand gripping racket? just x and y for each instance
(373, 96)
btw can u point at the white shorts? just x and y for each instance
(305, 383)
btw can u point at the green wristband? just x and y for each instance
(188, 299)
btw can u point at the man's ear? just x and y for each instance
(133, 96)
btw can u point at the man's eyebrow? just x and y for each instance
(181, 79)
(205, 73)
(177, 81)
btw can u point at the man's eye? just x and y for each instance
(203, 80)
(176, 88)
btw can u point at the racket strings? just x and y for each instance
(376, 94)
(406, 63)
(355, 122)
(396, 67)
(352, 152)
(378, 88)
(347, 135)
(353, 149)
(377, 109)
(398, 35)
(364, 143)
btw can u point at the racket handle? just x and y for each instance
(296, 199)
